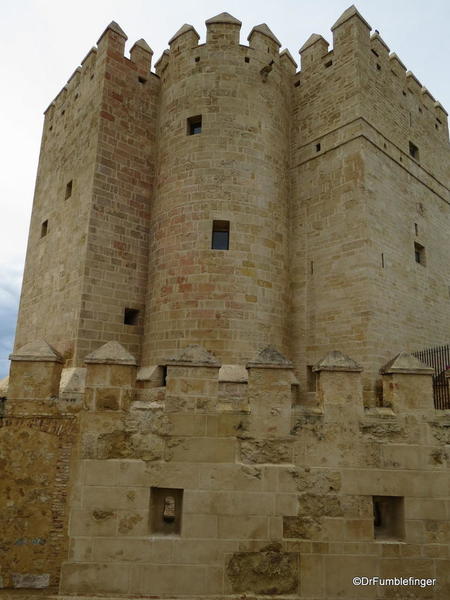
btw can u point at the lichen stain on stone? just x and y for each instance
(128, 523)
(102, 515)
(268, 572)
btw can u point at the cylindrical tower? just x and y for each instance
(218, 238)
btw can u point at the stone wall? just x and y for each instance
(267, 497)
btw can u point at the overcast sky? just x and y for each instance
(45, 40)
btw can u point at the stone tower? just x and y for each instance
(330, 187)
(212, 392)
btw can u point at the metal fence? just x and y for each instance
(438, 358)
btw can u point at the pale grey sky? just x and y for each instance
(45, 40)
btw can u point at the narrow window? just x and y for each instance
(382, 260)
(194, 125)
(164, 375)
(413, 151)
(130, 316)
(197, 59)
(416, 229)
(311, 379)
(68, 190)
(318, 147)
(311, 267)
(247, 59)
(44, 228)
(420, 109)
(388, 517)
(419, 253)
(220, 235)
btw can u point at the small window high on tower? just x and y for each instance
(413, 151)
(220, 235)
(194, 125)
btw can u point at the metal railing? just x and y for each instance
(439, 359)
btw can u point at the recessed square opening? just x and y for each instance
(311, 379)
(44, 228)
(194, 125)
(220, 235)
(419, 253)
(247, 59)
(68, 190)
(388, 518)
(166, 511)
(197, 59)
(130, 316)
(142, 80)
(413, 151)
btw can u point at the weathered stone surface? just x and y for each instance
(276, 451)
(268, 572)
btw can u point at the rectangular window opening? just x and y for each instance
(311, 379)
(197, 59)
(419, 253)
(68, 190)
(164, 375)
(388, 518)
(194, 125)
(220, 235)
(142, 80)
(44, 228)
(130, 316)
(413, 151)
(382, 260)
(166, 510)
(416, 229)
(247, 59)
(318, 147)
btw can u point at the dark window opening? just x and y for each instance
(247, 59)
(436, 126)
(51, 127)
(44, 228)
(76, 96)
(420, 109)
(416, 229)
(63, 112)
(328, 64)
(419, 253)
(164, 375)
(197, 59)
(382, 260)
(68, 190)
(318, 147)
(92, 76)
(297, 83)
(130, 316)
(142, 80)
(220, 235)
(311, 379)
(384, 146)
(404, 93)
(413, 151)
(311, 267)
(378, 67)
(388, 518)
(194, 125)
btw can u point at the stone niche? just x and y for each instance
(166, 506)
